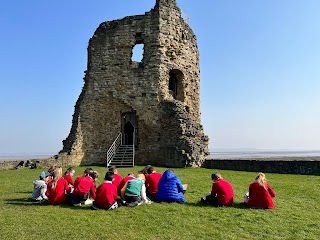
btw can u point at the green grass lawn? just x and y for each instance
(297, 213)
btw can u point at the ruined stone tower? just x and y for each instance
(155, 103)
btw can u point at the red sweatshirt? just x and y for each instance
(69, 179)
(106, 195)
(123, 182)
(85, 185)
(117, 179)
(78, 179)
(57, 195)
(260, 197)
(152, 181)
(224, 192)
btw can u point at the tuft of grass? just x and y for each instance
(296, 216)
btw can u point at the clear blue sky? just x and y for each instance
(260, 69)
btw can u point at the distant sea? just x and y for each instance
(12, 156)
(234, 154)
(214, 154)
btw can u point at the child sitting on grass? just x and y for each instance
(58, 188)
(124, 181)
(152, 180)
(117, 178)
(84, 188)
(170, 188)
(221, 192)
(134, 192)
(260, 193)
(40, 187)
(106, 195)
(68, 176)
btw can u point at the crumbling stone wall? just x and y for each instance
(115, 85)
(183, 142)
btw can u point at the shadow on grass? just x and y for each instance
(25, 202)
(83, 207)
(200, 204)
(31, 202)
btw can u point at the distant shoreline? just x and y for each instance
(311, 158)
(264, 154)
(10, 158)
(210, 157)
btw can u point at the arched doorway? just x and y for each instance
(128, 132)
(129, 128)
(175, 84)
(173, 81)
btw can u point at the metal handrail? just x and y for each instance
(113, 148)
(133, 143)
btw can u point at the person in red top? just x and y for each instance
(221, 192)
(106, 196)
(84, 188)
(57, 188)
(260, 193)
(79, 178)
(68, 176)
(152, 180)
(124, 181)
(117, 178)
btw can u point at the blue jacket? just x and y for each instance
(170, 188)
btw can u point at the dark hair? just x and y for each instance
(51, 169)
(69, 170)
(215, 176)
(150, 170)
(94, 174)
(88, 170)
(109, 176)
(145, 170)
(112, 168)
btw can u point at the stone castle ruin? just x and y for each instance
(153, 105)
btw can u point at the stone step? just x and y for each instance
(123, 157)
(124, 153)
(121, 162)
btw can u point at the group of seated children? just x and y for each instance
(132, 190)
(259, 196)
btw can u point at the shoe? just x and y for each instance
(133, 204)
(113, 206)
(88, 202)
(77, 204)
(94, 206)
(203, 200)
(121, 202)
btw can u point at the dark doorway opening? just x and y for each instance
(173, 85)
(128, 133)
(129, 128)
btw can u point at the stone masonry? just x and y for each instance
(157, 99)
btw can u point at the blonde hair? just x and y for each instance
(261, 179)
(57, 174)
(141, 176)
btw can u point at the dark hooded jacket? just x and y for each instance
(170, 188)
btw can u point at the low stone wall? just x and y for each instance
(41, 163)
(292, 166)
